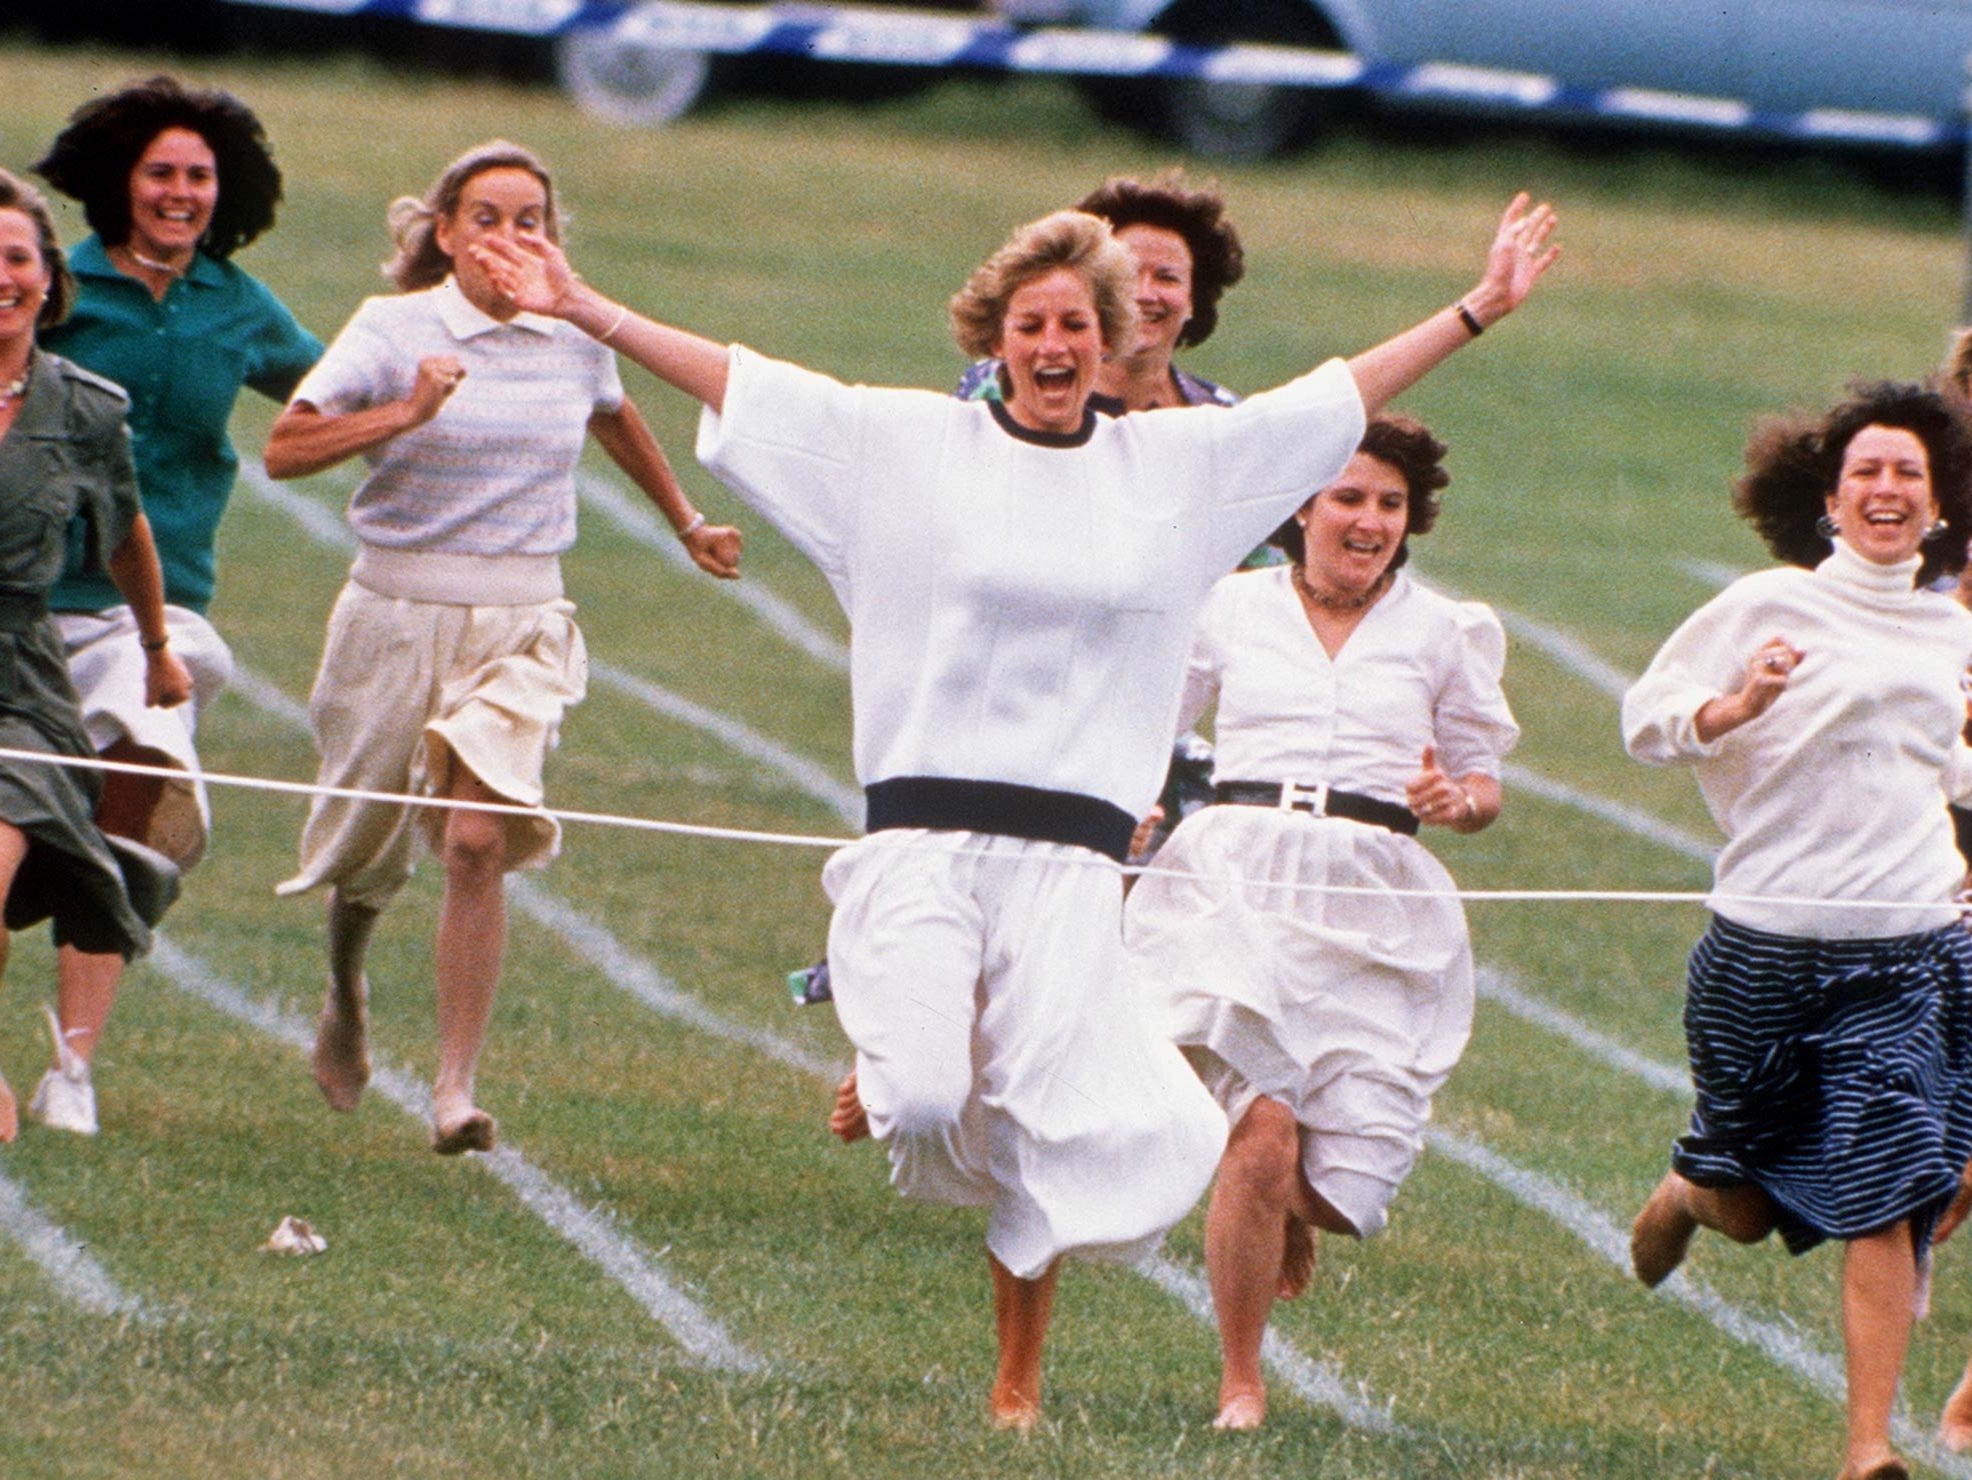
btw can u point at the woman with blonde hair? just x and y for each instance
(1021, 579)
(452, 653)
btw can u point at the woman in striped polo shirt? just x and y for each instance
(1829, 1007)
(452, 653)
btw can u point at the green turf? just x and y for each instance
(450, 1332)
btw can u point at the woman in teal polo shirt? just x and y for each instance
(172, 183)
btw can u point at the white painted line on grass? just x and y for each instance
(1780, 1342)
(590, 1230)
(630, 513)
(1618, 814)
(812, 779)
(1711, 572)
(1319, 1382)
(1497, 987)
(62, 1257)
(595, 943)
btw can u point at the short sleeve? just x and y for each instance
(789, 442)
(1471, 722)
(282, 352)
(108, 503)
(360, 368)
(1275, 450)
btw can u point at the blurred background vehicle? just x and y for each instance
(1779, 58)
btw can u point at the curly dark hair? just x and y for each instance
(1794, 462)
(1408, 446)
(1195, 212)
(17, 195)
(91, 159)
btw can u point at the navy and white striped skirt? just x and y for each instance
(1835, 1075)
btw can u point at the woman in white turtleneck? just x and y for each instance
(1831, 1042)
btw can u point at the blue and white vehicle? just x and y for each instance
(1885, 71)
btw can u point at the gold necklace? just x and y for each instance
(1328, 603)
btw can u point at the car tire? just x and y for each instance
(630, 82)
(1229, 120)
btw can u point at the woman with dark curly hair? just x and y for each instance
(1354, 704)
(1187, 254)
(173, 181)
(1828, 1014)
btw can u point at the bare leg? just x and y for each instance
(1955, 1427)
(86, 983)
(13, 848)
(342, 1048)
(1259, 1244)
(1245, 1251)
(85, 991)
(1677, 1209)
(1879, 1284)
(1021, 1312)
(849, 1122)
(472, 941)
(1297, 1262)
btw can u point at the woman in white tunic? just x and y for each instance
(1353, 704)
(1022, 579)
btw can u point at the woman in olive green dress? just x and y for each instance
(64, 452)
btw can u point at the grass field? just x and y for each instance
(670, 1270)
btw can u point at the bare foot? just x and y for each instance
(1955, 1426)
(1297, 1263)
(1242, 1409)
(472, 1131)
(10, 1116)
(1889, 1467)
(1661, 1235)
(342, 1052)
(1014, 1410)
(849, 1122)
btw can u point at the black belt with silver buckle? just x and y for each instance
(1322, 801)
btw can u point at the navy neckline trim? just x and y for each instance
(1077, 438)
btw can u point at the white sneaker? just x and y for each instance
(65, 1100)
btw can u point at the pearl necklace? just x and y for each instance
(13, 390)
(152, 264)
(1328, 603)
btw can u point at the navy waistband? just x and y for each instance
(947, 804)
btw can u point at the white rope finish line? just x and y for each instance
(818, 840)
(825, 33)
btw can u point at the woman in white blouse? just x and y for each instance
(1828, 1010)
(1353, 704)
(1022, 579)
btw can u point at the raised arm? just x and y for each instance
(535, 275)
(1520, 253)
(306, 439)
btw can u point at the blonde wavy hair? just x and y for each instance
(418, 262)
(1072, 239)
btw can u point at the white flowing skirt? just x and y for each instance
(107, 665)
(1349, 1008)
(999, 1052)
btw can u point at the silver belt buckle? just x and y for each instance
(1312, 799)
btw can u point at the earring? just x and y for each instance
(1938, 528)
(1825, 527)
